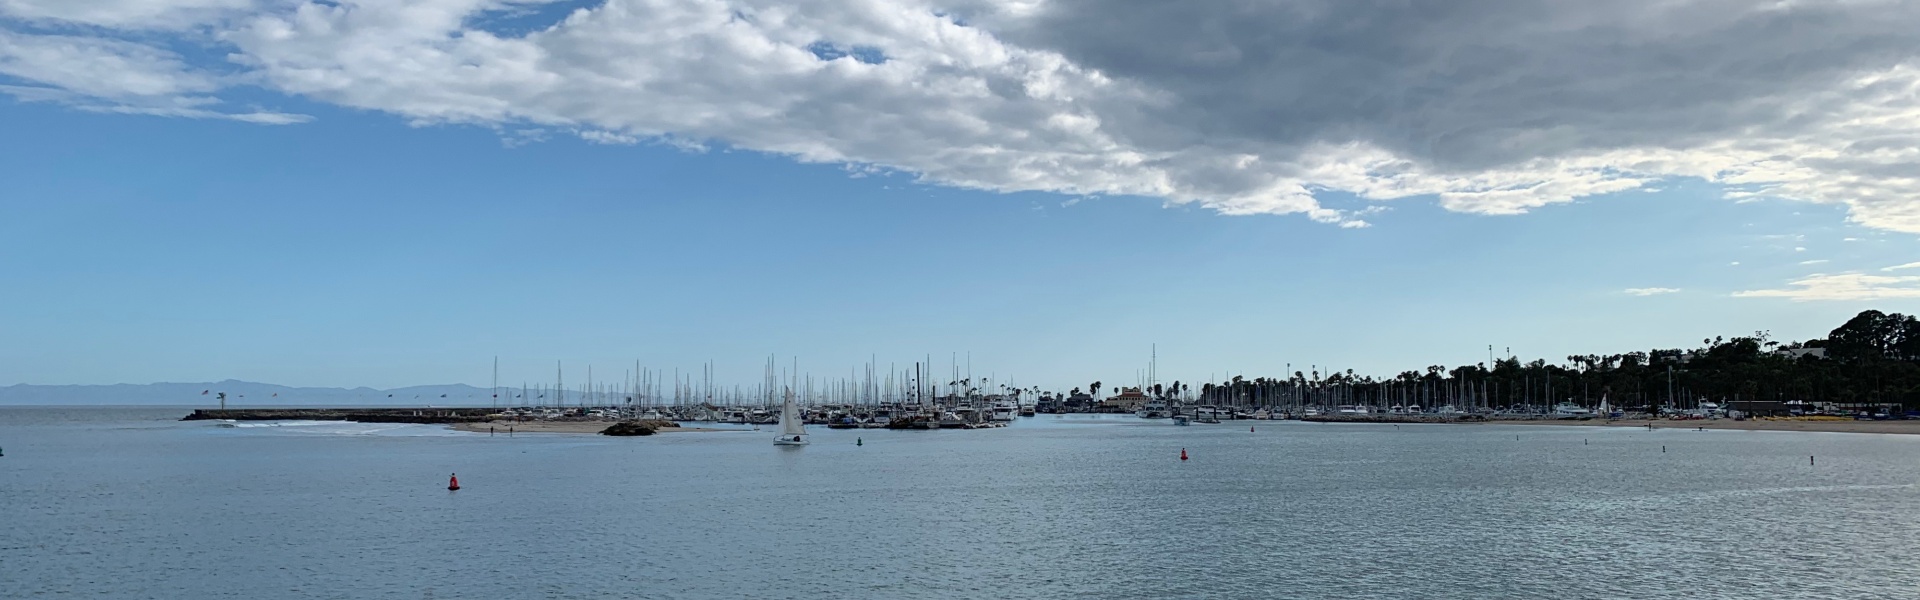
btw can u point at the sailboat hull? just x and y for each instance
(790, 440)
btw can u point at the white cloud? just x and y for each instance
(1844, 286)
(1650, 291)
(1245, 108)
(107, 75)
(1735, 263)
(1799, 249)
(607, 137)
(1911, 265)
(1817, 261)
(101, 68)
(124, 14)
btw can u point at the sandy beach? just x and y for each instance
(500, 427)
(1908, 427)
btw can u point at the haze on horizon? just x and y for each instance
(388, 193)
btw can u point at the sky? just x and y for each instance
(390, 193)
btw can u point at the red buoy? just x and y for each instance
(1249, 429)
(453, 483)
(1183, 454)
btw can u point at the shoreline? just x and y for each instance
(1883, 427)
(593, 427)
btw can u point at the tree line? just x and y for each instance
(1873, 358)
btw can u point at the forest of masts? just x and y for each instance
(1873, 358)
(866, 385)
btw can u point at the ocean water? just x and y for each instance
(129, 503)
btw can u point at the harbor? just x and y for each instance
(910, 418)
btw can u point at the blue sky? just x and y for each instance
(358, 251)
(356, 194)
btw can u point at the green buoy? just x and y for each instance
(858, 442)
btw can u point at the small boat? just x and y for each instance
(763, 417)
(958, 418)
(879, 418)
(1571, 410)
(1181, 420)
(792, 431)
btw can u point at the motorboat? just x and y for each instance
(954, 419)
(879, 418)
(1569, 409)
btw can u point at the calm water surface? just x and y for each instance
(128, 503)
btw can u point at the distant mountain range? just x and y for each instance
(242, 394)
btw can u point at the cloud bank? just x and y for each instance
(1242, 107)
(1843, 286)
(1650, 291)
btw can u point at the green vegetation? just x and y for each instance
(1873, 358)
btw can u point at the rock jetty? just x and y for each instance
(645, 427)
(358, 415)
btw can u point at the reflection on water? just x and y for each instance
(128, 503)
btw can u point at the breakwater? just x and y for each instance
(357, 415)
(1469, 418)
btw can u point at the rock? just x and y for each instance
(630, 428)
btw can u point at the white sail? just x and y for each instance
(790, 423)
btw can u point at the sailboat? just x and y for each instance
(792, 431)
